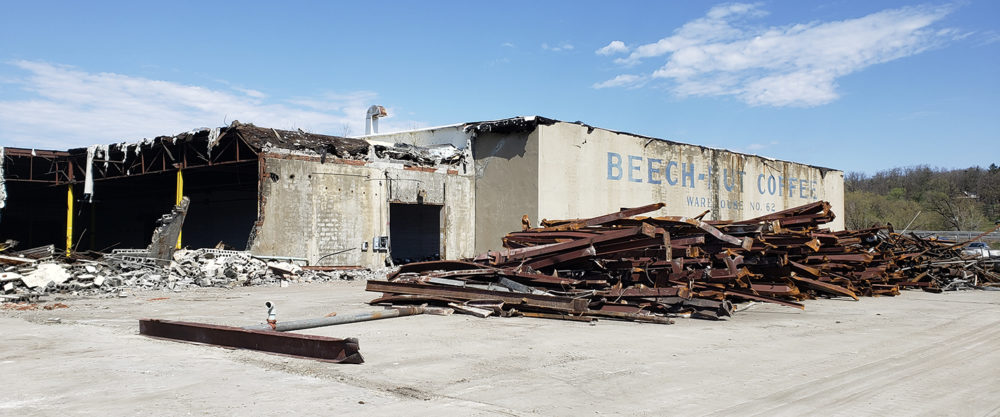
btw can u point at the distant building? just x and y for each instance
(449, 192)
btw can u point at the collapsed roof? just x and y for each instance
(236, 143)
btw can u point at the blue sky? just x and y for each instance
(852, 85)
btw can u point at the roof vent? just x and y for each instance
(371, 119)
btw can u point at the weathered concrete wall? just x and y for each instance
(506, 171)
(567, 170)
(582, 174)
(313, 209)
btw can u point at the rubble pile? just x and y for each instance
(25, 279)
(654, 268)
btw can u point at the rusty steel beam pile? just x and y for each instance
(650, 269)
(936, 265)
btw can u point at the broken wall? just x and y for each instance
(506, 184)
(327, 210)
(454, 135)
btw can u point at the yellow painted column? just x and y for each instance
(69, 219)
(93, 226)
(180, 196)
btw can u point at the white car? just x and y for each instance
(980, 250)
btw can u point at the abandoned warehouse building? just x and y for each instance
(444, 192)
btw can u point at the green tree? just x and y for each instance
(864, 209)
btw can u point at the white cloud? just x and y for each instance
(508, 45)
(499, 61)
(615, 47)
(623, 80)
(565, 46)
(66, 107)
(721, 54)
(988, 37)
(251, 92)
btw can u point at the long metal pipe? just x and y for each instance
(288, 326)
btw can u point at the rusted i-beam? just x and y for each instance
(326, 349)
(623, 214)
(534, 300)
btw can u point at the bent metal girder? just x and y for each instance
(321, 348)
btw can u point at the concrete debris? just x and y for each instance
(46, 274)
(113, 274)
(284, 268)
(167, 231)
(9, 276)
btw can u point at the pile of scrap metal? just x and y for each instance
(936, 265)
(653, 268)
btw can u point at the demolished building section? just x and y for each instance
(436, 193)
(326, 200)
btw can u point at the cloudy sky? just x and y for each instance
(853, 85)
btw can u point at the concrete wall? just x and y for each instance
(453, 135)
(506, 170)
(314, 209)
(583, 174)
(567, 170)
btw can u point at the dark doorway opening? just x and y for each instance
(414, 232)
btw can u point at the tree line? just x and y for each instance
(958, 199)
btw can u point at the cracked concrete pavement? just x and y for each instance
(916, 354)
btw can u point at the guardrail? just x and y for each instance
(958, 236)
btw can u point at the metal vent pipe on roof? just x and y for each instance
(371, 119)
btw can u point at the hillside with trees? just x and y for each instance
(961, 199)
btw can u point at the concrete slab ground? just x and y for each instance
(917, 354)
